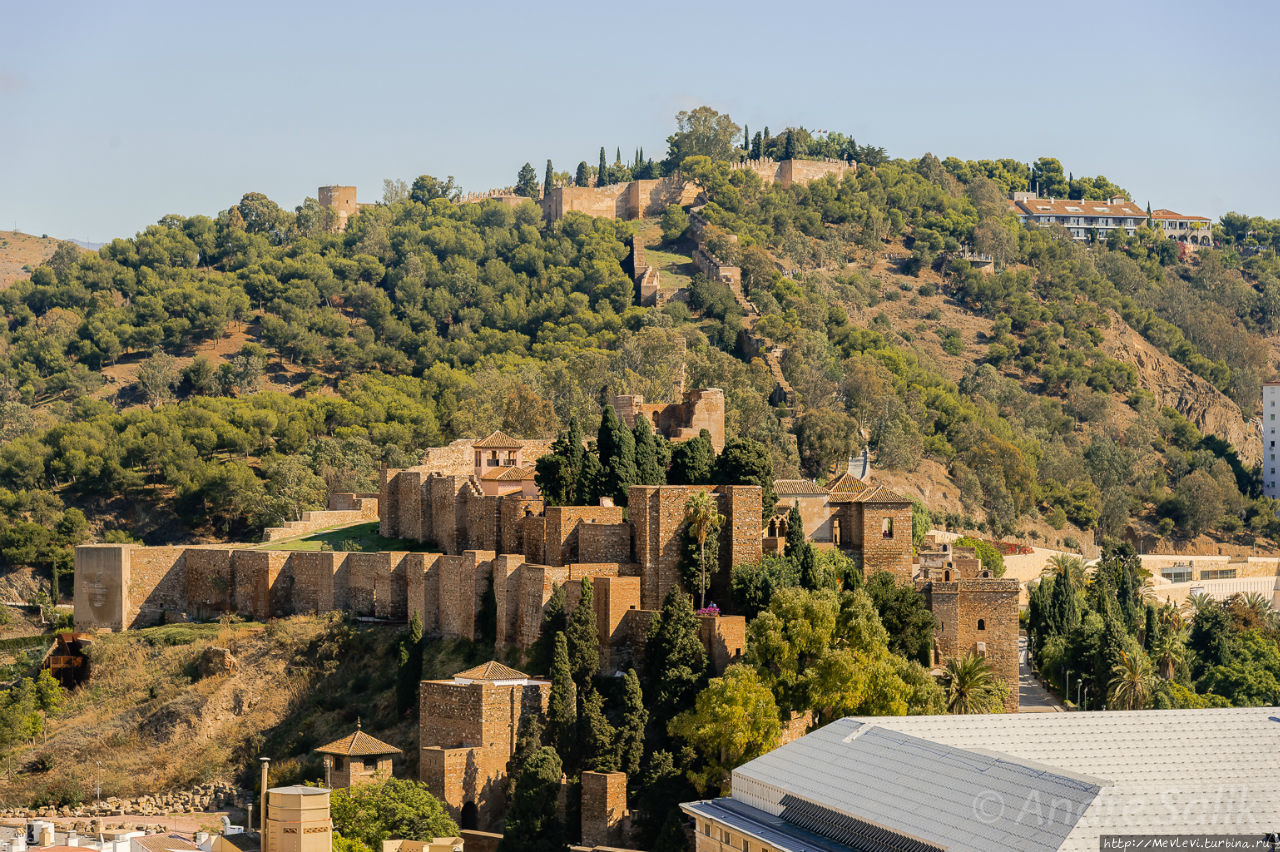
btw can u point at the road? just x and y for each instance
(1032, 697)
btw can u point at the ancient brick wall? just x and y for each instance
(740, 536)
(512, 511)
(803, 171)
(563, 522)
(725, 638)
(157, 584)
(482, 522)
(609, 201)
(604, 808)
(534, 531)
(886, 546)
(209, 580)
(506, 592)
(313, 580)
(601, 542)
(614, 598)
(979, 615)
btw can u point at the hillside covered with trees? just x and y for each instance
(215, 374)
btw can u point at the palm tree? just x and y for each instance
(701, 516)
(1132, 682)
(1167, 654)
(971, 687)
(1170, 617)
(1064, 564)
(1259, 603)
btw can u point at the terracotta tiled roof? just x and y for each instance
(514, 473)
(845, 487)
(1169, 214)
(358, 744)
(787, 487)
(879, 494)
(1086, 207)
(498, 441)
(492, 670)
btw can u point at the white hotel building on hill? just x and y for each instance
(1079, 217)
(1270, 407)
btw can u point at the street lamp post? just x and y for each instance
(98, 788)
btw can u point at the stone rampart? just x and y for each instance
(344, 510)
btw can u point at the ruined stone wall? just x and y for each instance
(157, 583)
(604, 808)
(678, 421)
(979, 615)
(512, 511)
(715, 269)
(344, 510)
(609, 201)
(886, 548)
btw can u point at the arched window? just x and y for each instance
(946, 576)
(982, 625)
(886, 528)
(470, 817)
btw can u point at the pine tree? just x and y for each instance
(675, 666)
(532, 824)
(546, 184)
(795, 531)
(583, 641)
(617, 450)
(649, 470)
(602, 177)
(562, 709)
(599, 738)
(635, 718)
(527, 182)
(583, 175)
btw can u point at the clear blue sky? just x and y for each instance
(113, 115)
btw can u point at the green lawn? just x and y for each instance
(360, 538)
(674, 270)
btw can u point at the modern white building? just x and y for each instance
(1270, 408)
(1037, 782)
(1192, 230)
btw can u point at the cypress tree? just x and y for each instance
(589, 478)
(528, 740)
(795, 531)
(1064, 609)
(532, 824)
(583, 175)
(554, 621)
(617, 450)
(789, 146)
(757, 146)
(810, 576)
(582, 640)
(764, 143)
(635, 718)
(603, 177)
(746, 138)
(675, 660)
(692, 460)
(546, 184)
(599, 738)
(649, 471)
(562, 710)
(617, 157)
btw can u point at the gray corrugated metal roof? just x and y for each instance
(962, 800)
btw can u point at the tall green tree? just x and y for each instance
(905, 616)
(554, 622)
(747, 462)
(675, 660)
(704, 521)
(617, 451)
(635, 718)
(599, 739)
(531, 822)
(733, 720)
(602, 176)
(562, 708)
(692, 460)
(795, 532)
(527, 182)
(583, 642)
(701, 132)
(583, 176)
(549, 179)
(649, 470)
